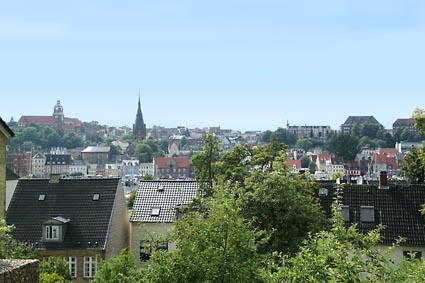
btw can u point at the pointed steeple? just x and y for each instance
(139, 127)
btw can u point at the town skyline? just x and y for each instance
(241, 65)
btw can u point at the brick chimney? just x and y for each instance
(383, 180)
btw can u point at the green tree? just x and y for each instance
(284, 136)
(312, 167)
(220, 246)
(305, 161)
(120, 269)
(71, 140)
(419, 117)
(55, 265)
(282, 205)
(266, 136)
(52, 278)
(343, 145)
(304, 143)
(53, 140)
(205, 164)
(414, 165)
(9, 247)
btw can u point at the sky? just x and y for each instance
(237, 64)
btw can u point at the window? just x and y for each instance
(90, 266)
(96, 196)
(42, 197)
(345, 211)
(146, 248)
(367, 214)
(51, 232)
(155, 211)
(72, 263)
(412, 254)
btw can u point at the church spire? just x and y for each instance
(139, 127)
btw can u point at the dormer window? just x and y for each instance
(54, 229)
(52, 232)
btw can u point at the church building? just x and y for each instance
(139, 127)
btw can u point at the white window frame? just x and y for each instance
(72, 264)
(90, 266)
(52, 232)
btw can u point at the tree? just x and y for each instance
(414, 165)
(304, 143)
(419, 117)
(343, 145)
(305, 161)
(282, 205)
(72, 140)
(55, 265)
(10, 248)
(205, 164)
(52, 278)
(284, 136)
(219, 246)
(120, 269)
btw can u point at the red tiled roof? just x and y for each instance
(290, 163)
(323, 157)
(404, 121)
(162, 162)
(43, 120)
(388, 151)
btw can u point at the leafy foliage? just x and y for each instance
(52, 278)
(120, 269)
(10, 248)
(55, 265)
(414, 165)
(343, 145)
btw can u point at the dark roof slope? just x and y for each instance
(353, 120)
(69, 198)
(166, 195)
(397, 208)
(6, 128)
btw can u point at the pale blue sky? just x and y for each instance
(247, 65)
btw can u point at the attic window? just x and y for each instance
(367, 214)
(345, 212)
(323, 192)
(42, 197)
(96, 197)
(155, 211)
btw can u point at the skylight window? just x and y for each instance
(155, 211)
(96, 197)
(367, 214)
(42, 197)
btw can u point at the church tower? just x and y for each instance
(139, 127)
(58, 113)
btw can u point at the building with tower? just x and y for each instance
(139, 127)
(58, 121)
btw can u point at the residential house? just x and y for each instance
(156, 206)
(293, 165)
(19, 162)
(5, 134)
(172, 168)
(397, 208)
(57, 164)
(335, 166)
(352, 121)
(321, 161)
(146, 169)
(78, 168)
(38, 165)
(96, 154)
(81, 220)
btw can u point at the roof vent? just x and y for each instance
(160, 188)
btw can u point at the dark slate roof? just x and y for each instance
(397, 208)
(352, 120)
(71, 199)
(166, 195)
(58, 159)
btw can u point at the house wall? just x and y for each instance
(141, 231)
(3, 141)
(397, 252)
(118, 236)
(80, 254)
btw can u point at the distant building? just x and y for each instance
(96, 154)
(38, 165)
(171, 168)
(352, 121)
(57, 121)
(139, 127)
(407, 123)
(318, 132)
(19, 162)
(57, 164)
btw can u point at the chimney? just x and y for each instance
(383, 180)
